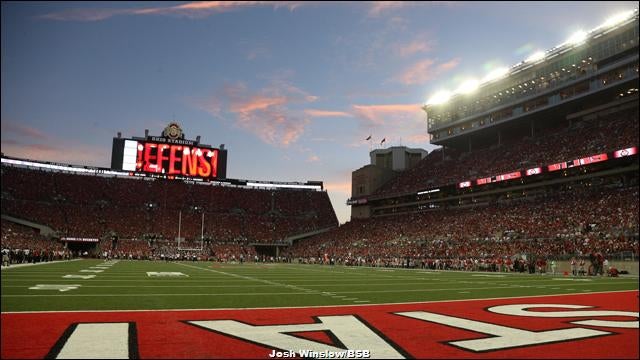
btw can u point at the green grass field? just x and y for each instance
(127, 286)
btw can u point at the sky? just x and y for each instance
(292, 89)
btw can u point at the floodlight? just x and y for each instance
(468, 87)
(577, 38)
(439, 98)
(496, 74)
(539, 55)
(617, 19)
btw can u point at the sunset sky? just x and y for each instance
(291, 88)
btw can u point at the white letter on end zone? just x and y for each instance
(521, 310)
(503, 337)
(347, 328)
(94, 341)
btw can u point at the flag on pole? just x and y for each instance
(383, 140)
(369, 138)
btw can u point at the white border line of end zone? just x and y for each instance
(316, 306)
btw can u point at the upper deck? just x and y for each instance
(604, 60)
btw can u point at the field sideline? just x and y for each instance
(126, 285)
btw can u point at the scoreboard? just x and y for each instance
(169, 156)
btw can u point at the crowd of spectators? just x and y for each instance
(446, 166)
(92, 206)
(21, 244)
(571, 222)
(503, 236)
(141, 249)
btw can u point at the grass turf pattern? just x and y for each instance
(126, 286)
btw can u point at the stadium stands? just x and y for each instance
(25, 245)
(584, 138)
(96, 206)
(569, 222)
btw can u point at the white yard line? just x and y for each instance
(252, 278)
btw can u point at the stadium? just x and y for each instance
(516, 238)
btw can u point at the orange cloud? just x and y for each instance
(399, 123)
(341, 187)
(417, 73)
(419, 139)
(71, 154)
(312, 158)
(264, 113)
(14, 129)
(273, 126)
(378, 7)
(451, 64)
(416, 46)
(258, 52)
(326, 113)
(377, 114)
(425, 70)
(257, 103)
(197, 9)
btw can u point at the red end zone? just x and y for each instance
(603, 325)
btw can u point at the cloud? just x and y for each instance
(266, 113)
(312, 159)
(419, 139)
(257, 102)
(196, 9)
(326, 113)
(376, 8)
(85, 14)
(273, 126)
(425, 70)
(399, 123)
(258, 52)
(323, 139)
(414, 47)
(339, 186)
(14, 129)
(449, 65)
(376, 115)
(71, 153)
(418, 73)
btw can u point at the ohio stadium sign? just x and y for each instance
(583, 326)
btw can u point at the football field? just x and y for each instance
(145, 285)
(147, 309)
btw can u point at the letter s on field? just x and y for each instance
(522, 310)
